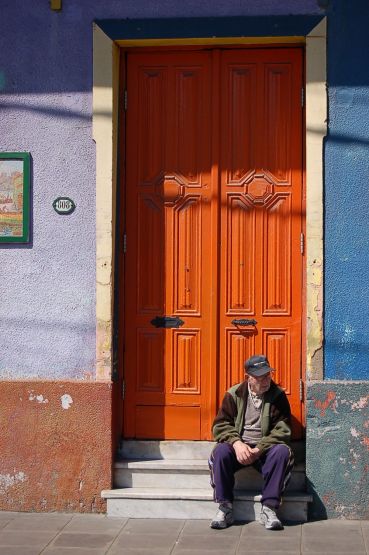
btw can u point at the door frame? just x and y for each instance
(106, 55)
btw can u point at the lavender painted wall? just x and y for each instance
(47, 313)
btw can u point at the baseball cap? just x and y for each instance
(257, 366)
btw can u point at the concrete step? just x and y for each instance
(188, 450)
(158, 449)
(194, 503)
(188, 474)
(170, 479)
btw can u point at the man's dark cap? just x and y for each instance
(257, 366)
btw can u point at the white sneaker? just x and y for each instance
(270, 519)
(224, 517)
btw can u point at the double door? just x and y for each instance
(213, 268)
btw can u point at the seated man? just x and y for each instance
(252, 428)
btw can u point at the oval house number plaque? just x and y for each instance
(64, 206)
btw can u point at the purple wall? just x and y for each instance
(47, 314)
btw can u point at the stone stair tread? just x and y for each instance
(198, 494)
(165, 464)
(175, 464)
(181, 449)
(170, 479)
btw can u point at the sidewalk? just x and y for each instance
(68, 534)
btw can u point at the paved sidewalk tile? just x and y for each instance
(242, 551)
(326, 551)
(20, 550)
(95, 524)
(195, 527)
(336, 536)
(73, 551)
(4, 522)
(365, 532)
(30, 538)
(67, 534)
(83, 539)
(140, 551)
(255, 529)
(213, 542)
(153, 542)
(153, 526)
(42, 522)
(270, 541)
(194, 551)
(9, 514)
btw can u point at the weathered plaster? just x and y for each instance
(337, 449)
(55, 456)
(316, 128)
(105, 115)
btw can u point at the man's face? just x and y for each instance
(260, 385)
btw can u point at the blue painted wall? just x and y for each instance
(347, 193)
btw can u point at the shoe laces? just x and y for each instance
(223, 510)
(270, 513)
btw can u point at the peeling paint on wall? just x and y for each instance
(361, 403)
(66, 401)
(103, 350)
(329, 402)
(38, 398)
(7, 481)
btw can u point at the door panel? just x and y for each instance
(169, 261)
(213, 224)
(261, 215)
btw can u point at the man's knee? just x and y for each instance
(222, 452)
(280, 451)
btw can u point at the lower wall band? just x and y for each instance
(55, 445)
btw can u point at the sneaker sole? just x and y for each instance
(221, 525)
(270, 526)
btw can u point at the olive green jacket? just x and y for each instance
(275, 416)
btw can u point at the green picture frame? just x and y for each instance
(15, 197)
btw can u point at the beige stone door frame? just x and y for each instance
(105, 134)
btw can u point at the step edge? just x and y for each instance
(192, 494)
(175, 464)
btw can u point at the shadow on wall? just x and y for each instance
(59, 59)
(316, 509)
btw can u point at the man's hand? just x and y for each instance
(244, 453)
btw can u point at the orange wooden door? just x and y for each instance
(261, 216)
(213, 224)
(170, 261)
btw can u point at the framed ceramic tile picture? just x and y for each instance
(14, 197)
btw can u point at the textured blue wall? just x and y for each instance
(337, 445)
(347, 193)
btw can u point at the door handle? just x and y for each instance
(244, 322)
(167, 322)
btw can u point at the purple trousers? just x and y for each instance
(275, 465)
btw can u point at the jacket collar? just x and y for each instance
(243, 391)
